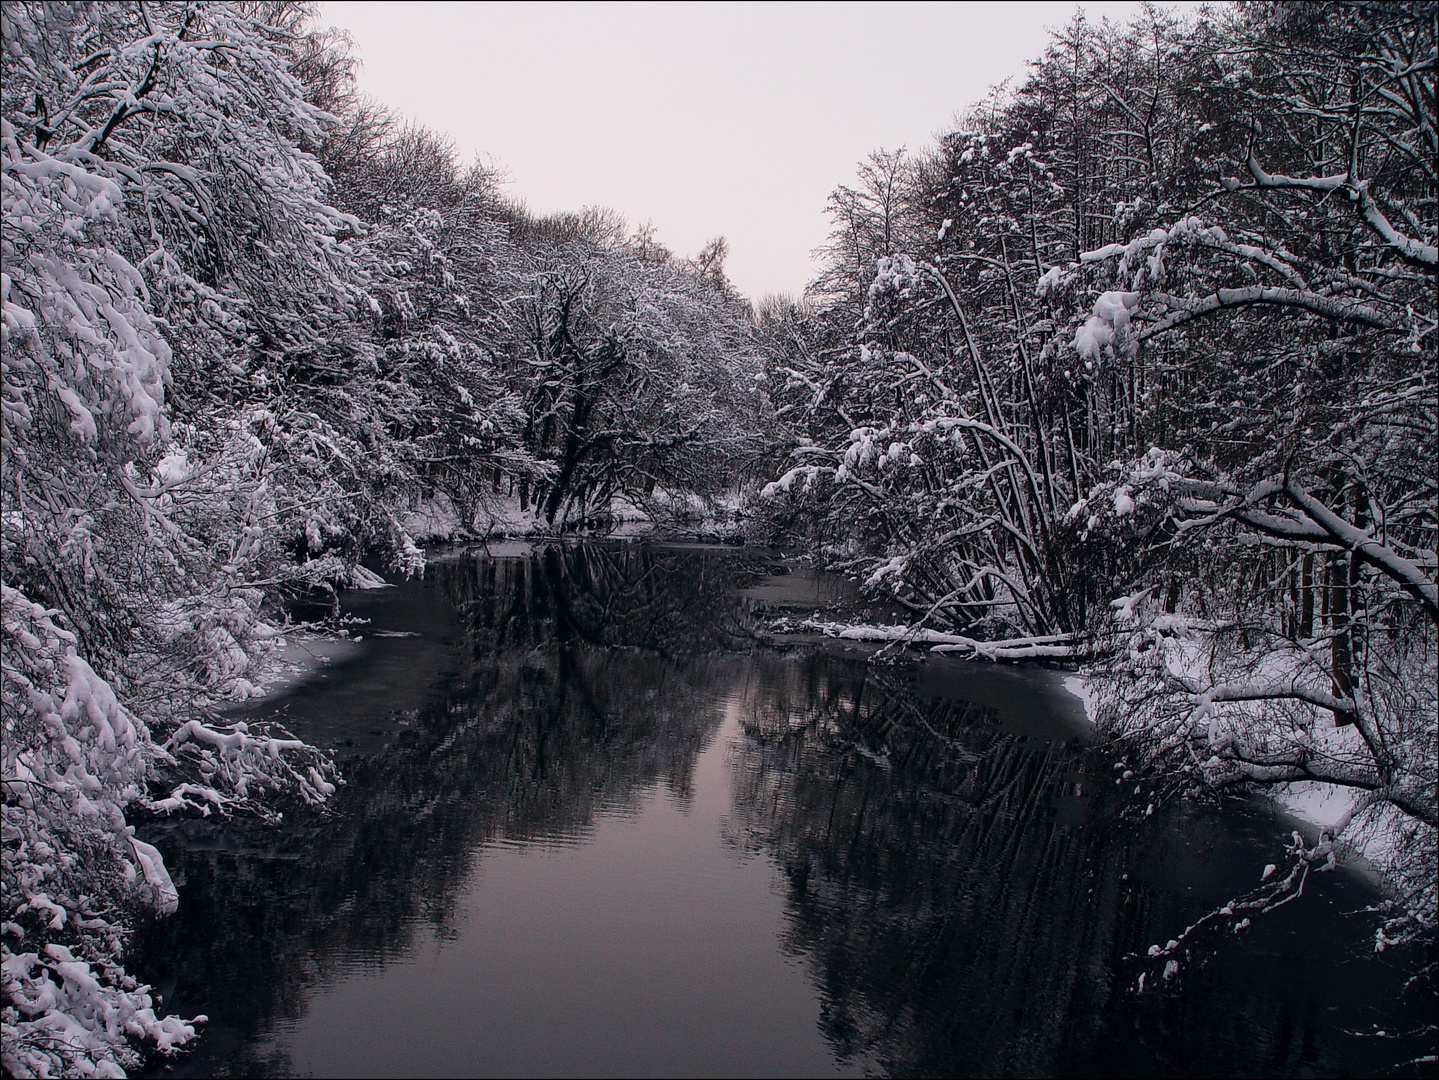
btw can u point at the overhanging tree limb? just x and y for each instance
(1412, 251)
(1408, 574)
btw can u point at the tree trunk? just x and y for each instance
(1341, 649)
(1306, 597)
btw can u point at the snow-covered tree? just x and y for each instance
(1150, 375)
(638, 371)
(155, 200)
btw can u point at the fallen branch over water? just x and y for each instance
(1048, 647)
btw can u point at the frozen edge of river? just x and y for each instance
(303, 655)
(1314, 806)
(1307, 803)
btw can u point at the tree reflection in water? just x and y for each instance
(951, 918)
(586, 676)
(964, 896)
(971, 903)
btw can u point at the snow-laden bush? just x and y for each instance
(74, 759)
(142, 153)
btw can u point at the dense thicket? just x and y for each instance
(1139, 364)
(251, 323)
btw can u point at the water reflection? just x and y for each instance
(951, 874)
(970, 903)
(669, 601)
(561, 686)
(955, 917)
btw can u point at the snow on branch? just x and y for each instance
(1183, 309)
(73, 758)
(1414, 252)
(1404, 571)
(1291, 691)
(1236, 915)
(1040, 647)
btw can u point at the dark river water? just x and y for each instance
(597, 824)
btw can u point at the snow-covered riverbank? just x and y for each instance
(669, 516)
(1315, 808)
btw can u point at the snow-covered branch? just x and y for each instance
(1183, 309)
(1415, 252)
(1404, 571)
(1039, 647)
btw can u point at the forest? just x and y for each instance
(1134, 370)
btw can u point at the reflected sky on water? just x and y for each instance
(597, 823)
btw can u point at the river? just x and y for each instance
(598, 821)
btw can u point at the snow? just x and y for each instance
(1053, 646)
(1106, 325)
(167, 898)
(1323, 807)
(171, 528)
(361, 578)
(303, 655)
(1100, 254)
(1050, 281)
(174, 468)
(892, 568)
(1124, 607)
(1077, 686)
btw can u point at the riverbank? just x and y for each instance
(668, 516)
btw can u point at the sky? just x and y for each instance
(702, 120)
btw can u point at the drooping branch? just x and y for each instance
(1414, 252)
(1183, 309)
(1384, 559)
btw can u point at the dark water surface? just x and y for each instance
(596, 825)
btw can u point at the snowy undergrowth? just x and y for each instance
(439, 520)
(1210, 706)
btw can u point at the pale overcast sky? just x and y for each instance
(703, 119)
